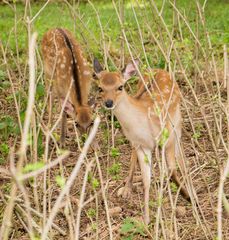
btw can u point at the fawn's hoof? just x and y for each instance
(146, 220)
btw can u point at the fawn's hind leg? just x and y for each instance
(171, 161)
(63, 129)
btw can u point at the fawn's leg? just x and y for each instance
(63, 129)
(50, 100)
(144, 159)
(129, 181)
(171, 161)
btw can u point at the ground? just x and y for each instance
(184, 48)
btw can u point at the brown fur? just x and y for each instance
(59, 71)
(142, 117)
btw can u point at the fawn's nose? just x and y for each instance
(109, 103)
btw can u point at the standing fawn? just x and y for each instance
(69, 75)
(143, 119)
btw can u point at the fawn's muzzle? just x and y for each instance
(109, 103)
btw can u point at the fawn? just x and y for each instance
(69, 75)
(141, 122)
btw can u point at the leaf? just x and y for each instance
(40, 91)
(4, 148)
(173, 187)
(56, 136)
(114, 152)
(164, 137)
(22, 117)
(114, 169)
(60, 181)
(91, 212)
(95, 183)
(33, 167)
(127, 227)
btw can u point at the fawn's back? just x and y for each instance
(165, 95)
(67, 69)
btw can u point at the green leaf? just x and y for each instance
(84, 137)
(56, 136)
(95, 183)
(173, 187)
(117, 124)
(127, 226)
(4, 84)
(40, 91)
(115, 169)
(60, 181)
(4, 149)
(114, 152)
(22, 116)
(91, 212)
(164, 137)
(33, 167)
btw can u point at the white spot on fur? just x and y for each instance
(62, 66)
(166, 90)
(86, 72)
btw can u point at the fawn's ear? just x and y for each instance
(68, 108)
(97, 66)
(130, 69)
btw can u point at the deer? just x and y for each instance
(68, 74)
(142, 118)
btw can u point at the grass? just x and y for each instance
(216, 14)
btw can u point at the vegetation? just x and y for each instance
(190, 40)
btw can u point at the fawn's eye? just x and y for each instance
(91, 124)
(100, 89)
(120, 88)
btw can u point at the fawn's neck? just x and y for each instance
(135, 122)
(127, 109)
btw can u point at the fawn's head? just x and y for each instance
(111, 84)
(82, 116)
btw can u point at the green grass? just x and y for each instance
(58, 15)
